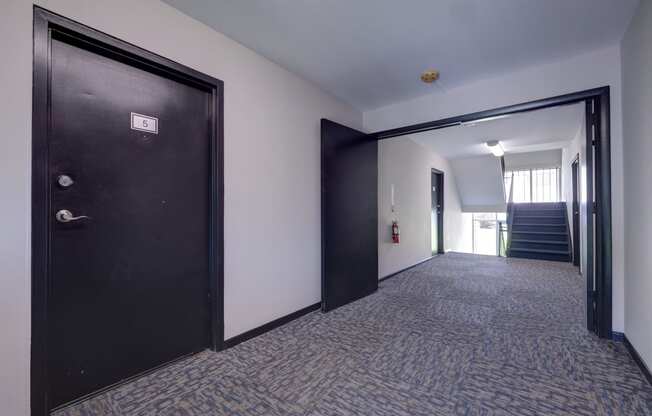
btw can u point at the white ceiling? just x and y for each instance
(551, 128)
(370, 53)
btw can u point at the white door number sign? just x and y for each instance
(144, 123)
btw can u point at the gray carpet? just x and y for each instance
(458, 335)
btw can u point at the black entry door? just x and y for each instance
(128, 222)
(349, 215)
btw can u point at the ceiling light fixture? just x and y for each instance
(430, 76)
(495, 147)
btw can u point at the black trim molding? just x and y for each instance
(637, 359)
(617, 336)
(232, 342)
(389, 276)
(571, 98)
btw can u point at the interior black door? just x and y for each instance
(129, 149)
(349, 214)
(437, 212)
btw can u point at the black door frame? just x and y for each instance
(440, 216)
(575, 206)
(45, 25)
(598, 142)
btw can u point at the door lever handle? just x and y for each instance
(66, 216)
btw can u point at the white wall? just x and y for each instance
(272, 169)
(590, 70)
(576, 147)
(407, 165)
(637, 131)
(533, 160)
(480, 183)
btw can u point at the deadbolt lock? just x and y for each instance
(65, 181)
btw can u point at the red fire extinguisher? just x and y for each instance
(396, 233)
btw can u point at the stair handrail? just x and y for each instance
(510, 213)
(510, 199)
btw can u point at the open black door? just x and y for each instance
(349, 195)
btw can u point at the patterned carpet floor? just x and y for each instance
(458, 335)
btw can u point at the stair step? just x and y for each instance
(561, 228)
(538, 232)
(522, 219)
(563, 257)
(538, 250)
(525, 209)
(540, 212)
(542, 209)
(559, 245)
(543, 217)
(539, 204)
(539, 209)
(556, 237)
(518, 240)
(540, 225)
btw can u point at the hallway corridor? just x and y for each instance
(458, 335)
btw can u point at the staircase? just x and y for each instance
(539, 231)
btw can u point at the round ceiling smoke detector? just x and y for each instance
(430, 76)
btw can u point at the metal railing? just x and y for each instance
(503, 238)
(505, 228)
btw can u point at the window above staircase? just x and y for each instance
(533, 185)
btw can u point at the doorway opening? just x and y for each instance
(437, 212)
(598, 184)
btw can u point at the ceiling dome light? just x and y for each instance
(495, 147)
(430, 76)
